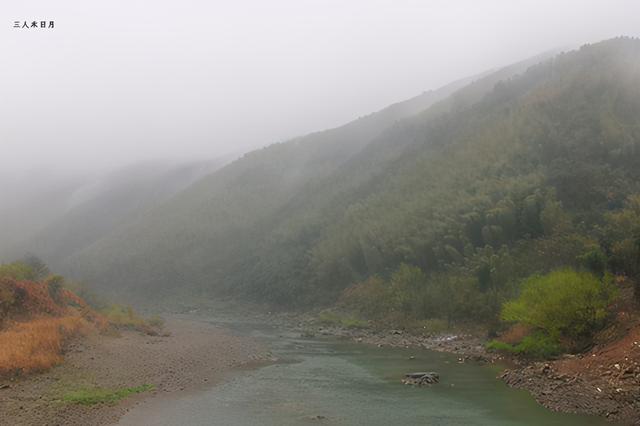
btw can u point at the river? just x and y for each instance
(331, 382)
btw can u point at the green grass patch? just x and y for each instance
(103, 396)
(123, 317)
(329, 318)
(498, 346)
(537, 346)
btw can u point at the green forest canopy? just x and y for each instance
(509, 176)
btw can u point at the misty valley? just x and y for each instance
(467, 256)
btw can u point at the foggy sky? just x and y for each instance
(121, 81)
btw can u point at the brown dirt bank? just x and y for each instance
(194, 355)
(604, 381)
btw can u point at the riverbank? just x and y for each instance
(469, 346)
(190, 356)
(604, 382)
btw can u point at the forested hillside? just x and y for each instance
(248, 227)
(452, 210)
(506, 177)
(519, 187)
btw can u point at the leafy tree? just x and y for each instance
(407, 282)
(595, 260)
(562, 304)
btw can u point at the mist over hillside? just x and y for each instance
(447, 182)
(298, 222)
(58, 215)
(303, 212)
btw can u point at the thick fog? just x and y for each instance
(121, 81)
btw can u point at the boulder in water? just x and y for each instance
(421, 378)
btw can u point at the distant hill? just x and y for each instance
(30, 202)
(60, 216)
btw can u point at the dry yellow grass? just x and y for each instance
(37, 344)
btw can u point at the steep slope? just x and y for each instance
(539, 160)
(206, 236)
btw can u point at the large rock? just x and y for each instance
(421, 378)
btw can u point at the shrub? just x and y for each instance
(498, 346)
(156, 321)
(539, 345)
(332, 319)
(20, 300)
(515, 333)
(406, 283)
(563, 303)
(39, 318)
(84, 292)
(34, 298)
(371, 298)
(54, 286)
(124, 317)
(37, 345)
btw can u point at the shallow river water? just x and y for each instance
(330, 382)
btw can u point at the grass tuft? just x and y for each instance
(535, 346)
(332, 319)
(125, 318)
(95, 396)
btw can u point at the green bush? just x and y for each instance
(562, 304)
